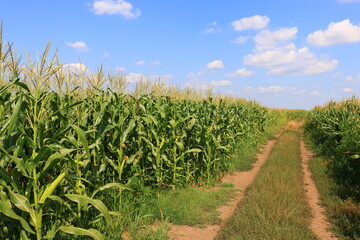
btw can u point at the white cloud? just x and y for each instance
(80, 46)
(106, 55)
(336, 33)
(220, 83)
(274, 89)
(119, 7)
(290, 60)
(314, 93)
(213, 28)
(120, 69)
(155, 63)
(217, 64)
(139, 63)
(347, 90)
(350, 81)
(134, 77)
(270, 89)
(75, 68)
(269, 39)
(248, 88)
(255, 22)
(209, 30)
(196, 81)
(242, 72)
(241, 39)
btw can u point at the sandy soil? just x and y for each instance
(241, 181)
(319, 224)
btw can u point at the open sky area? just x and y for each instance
(282, 53)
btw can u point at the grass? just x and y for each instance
(343, 213)
(193, 206)
(275, 206)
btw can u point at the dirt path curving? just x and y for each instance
(241, 181)
(319, 224)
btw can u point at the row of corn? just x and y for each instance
(335, 131)
(63, 150)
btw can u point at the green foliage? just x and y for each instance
(344, 215)
(70, 149)
(193, 206)
(335, 131)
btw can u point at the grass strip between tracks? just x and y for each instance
(275, 205)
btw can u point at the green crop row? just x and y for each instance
(64, 146)
(335, 131)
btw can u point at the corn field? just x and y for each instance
(70, 138)
(335, 131)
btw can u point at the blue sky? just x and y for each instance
(282, 53)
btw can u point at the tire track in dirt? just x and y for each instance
(241, 180)
(319, 224)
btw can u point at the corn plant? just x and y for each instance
(335, 130)
(69, 139)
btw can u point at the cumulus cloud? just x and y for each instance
(352, 79)
(106, 55)
(75, 68)
(80, 46)
(120, 69)
(270, 89)
(242, 72)
(269, 39)
(241, 39)
(197, 81)
(274, 89)
(119, 7)
(220, 83)
(255, 22)
(347, 90)
(212, 28)
(290, 60)
(155, 63)
(139, 63)
(336, 33)
(314, 93)
(134, 77)
(216, 64)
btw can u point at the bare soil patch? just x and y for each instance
(319, 224)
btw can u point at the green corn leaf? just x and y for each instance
(24, 236)
(50, 189)
(131, 125)
(14, 119)
(111, 185)
(7, 177)
(20, 201)
(82, 232)
(99, 205)
(53, 160)
(11, 214)
(22, 85)
(83, 139)
(20, 164)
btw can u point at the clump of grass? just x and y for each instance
(274, 206)
(193, 206)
